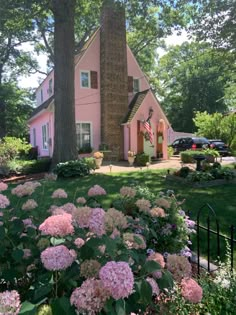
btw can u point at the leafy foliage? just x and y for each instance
(142, 159)
(187, 156)
(72, 168)
(192, 77)
(12, 148)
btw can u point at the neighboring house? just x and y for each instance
(113, 98)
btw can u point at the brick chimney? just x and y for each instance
(114, 77)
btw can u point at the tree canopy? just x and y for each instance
(192, 77)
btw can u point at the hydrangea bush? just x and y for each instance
(78, 258)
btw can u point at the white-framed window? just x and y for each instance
(34, 138)
(84, 79)
(41, 95)
(83, 135)
(136, 87)
(50, 87)
(45, 136)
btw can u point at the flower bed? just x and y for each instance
(78, 257)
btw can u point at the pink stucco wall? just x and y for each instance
(141, 115)
(87, 100)
(37, 123)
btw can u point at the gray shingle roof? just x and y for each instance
(134, 105)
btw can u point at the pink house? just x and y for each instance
(113, 99)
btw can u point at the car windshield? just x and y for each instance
(218, 143)
(200, 140)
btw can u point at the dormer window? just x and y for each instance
(133, 85)
(136, 85)
(50, 87)
(41, 95)
(85, 79)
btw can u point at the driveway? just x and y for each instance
(173, 162)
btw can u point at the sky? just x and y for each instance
(34, 80)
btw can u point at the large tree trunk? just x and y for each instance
(65, 132)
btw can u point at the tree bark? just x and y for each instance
(64, 131)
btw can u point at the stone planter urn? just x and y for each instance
(98, 162)
(131, 160)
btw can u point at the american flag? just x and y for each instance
(148, 127)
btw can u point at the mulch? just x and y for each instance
(22, 178)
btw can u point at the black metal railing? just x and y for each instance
(211, 215)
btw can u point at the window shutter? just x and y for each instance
(130, 84)
(94, 79)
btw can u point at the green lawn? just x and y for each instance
(221, 198)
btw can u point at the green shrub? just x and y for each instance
(170, 151)
(35, 166)
(72, 169)
(12, 148)
(142, 159)
(184, 171)
(187, 156)
(90, 161)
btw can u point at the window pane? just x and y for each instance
(136, 85)
(84, 76)
(83, 135)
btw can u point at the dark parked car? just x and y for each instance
(189, 143)
(220, 146)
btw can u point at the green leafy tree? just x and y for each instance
(212, 20)
(216, 126)
(192, 77)
(18, 107)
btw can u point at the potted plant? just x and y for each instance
(211, 155)
(131, 157)
(98, 158)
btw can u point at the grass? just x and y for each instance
(221, 198)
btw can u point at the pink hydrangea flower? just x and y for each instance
(59, 193)
(158, 258)
(10, 303)
(163, 203)
(127, 192)
(82, 216)
(90, 298)
(4, 202)
(115, 219)
(157, 212)
(26, 189)
(191, 290)
(29, 204)
(79, 242)
(57, 258)
(69, 208)
(81, 200)
(117, 278)
(133, 240)
(154, 285)
(143, 205)
(179, 266)
(3, 186)
(28, 223)
(96, 190)
(97, 221)
(57, 225)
